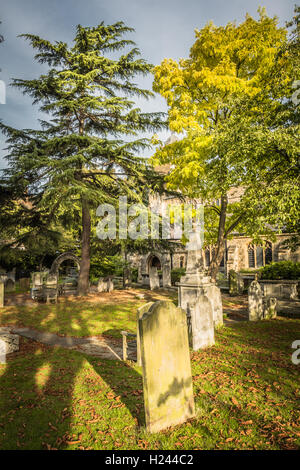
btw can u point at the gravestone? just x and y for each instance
(1, 294)
(110, 285)
(9, 343)
(101, 286)
(10, 285)
(200, 317)
(24, 283)
(143, 309)
(255, 302)
(153, 278)
(215, 298)
(167, 379)
(270, 308)
(236, 283)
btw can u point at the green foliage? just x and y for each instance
(287, 270)
(232, 99)
(176, 274)
(102, 266)
(86, 153)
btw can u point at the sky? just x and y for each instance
(163, 28)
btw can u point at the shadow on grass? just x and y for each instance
(37, 389)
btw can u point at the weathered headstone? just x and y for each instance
(202, 324)
(1, 294)
(255, 302)
(167, 379)
(236, 283)
(101, 286)
(215, 298)
(270, 308)
(143, 309)
(153, 278)
(24, 283)
(9, 343)
(110, 285)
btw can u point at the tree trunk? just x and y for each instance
(126, 273)
(219, 252)
(83, 281)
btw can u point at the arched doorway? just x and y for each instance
(61, 258)
(159, 262)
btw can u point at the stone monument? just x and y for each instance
(195, 292)
(167, 379)
(255, 302)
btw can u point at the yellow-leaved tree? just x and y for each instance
(226, 99)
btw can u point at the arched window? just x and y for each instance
(251, 259)
(181, 262)
(259, 257)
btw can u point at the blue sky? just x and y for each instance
(163, 28)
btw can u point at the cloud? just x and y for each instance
(163, 28)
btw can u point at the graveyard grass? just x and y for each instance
(246, 389)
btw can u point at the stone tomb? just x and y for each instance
(167, 379)
(255, 302)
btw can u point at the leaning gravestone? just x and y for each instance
(167, 379)
(255, 302)
(1, 294)
(153, 278)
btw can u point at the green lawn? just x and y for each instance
(117, 312)
(246, 389)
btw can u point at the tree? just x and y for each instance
(229, 102)
(79, 155)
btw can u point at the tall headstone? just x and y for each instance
(167, 379)
(1, 294)
(143, 309)
(215, 298)
(255, 302)
(195, 293)
(153, 278)
(101, 286)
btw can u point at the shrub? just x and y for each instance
(176, 274)
(281, 270)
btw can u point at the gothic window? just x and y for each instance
(181, 262)
(259, 257)
(251, 259)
